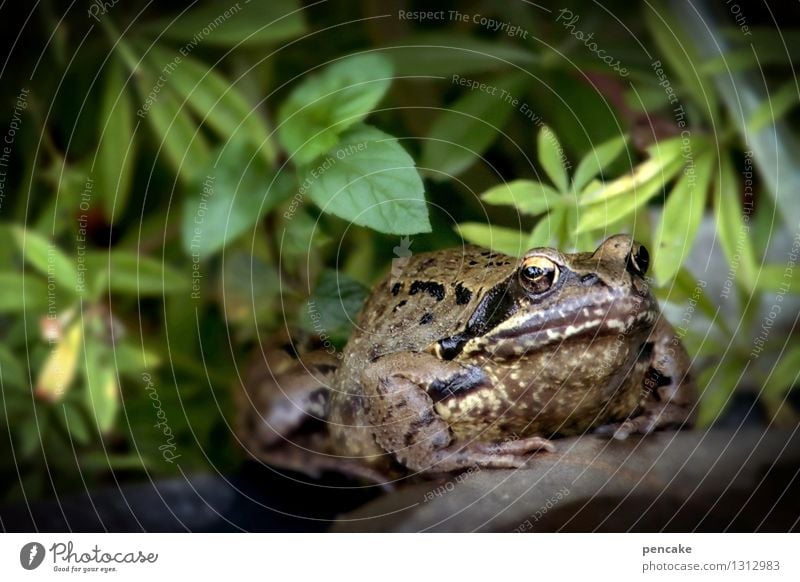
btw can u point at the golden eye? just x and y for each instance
(538, 274)
(638, 260)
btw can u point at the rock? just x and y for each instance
(688, 481)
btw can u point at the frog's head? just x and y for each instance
(554, 297)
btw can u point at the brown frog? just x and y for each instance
(474, 358)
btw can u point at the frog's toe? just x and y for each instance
(518, 446)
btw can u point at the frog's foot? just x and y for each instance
(406, 425)
(652, 418)
(282, 395)
(503, 455)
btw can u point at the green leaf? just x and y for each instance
(596, 161)
(688, 289)
(132, 360)
(231, 198)
(11, 371)
(601, 215)
(734, 237)
(680, 55)
(20, 292)
(332, 308)
(681, 218)
(717, 386)
(250, 288)
(103, 392)
(252, 23)
(181, 141)
(777, 278)
(527, 196)
(497, 238)
(448, 54)
(74, 422)
(663, 155)
(465, 129)
(116, 149)
(327, 103)
(623, 196)
(552, 158)
(547, 231)
(370, 180)
(129, 273)
(47, 258)
(776, 106)
(784, 375)
(212, 98)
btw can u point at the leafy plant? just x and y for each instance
(186, 184)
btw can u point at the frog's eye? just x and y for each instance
(538, 274)
(638, 260)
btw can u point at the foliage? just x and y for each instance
(187, 183)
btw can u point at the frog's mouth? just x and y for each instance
(532, 330)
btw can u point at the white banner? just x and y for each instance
(401, 557)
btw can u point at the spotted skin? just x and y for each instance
(470, 357)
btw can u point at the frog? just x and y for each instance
(469, 357)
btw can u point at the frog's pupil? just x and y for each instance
(532, 272)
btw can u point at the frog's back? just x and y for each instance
(424, 298)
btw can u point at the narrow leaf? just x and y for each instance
(58, 371)
(552, 158)
(734, 237)
(500, 239)
(681, 218)
(774, 107)
(527, 196)
(214, 100)
(465, 129)
(116, 149)
(596, 161)
(47, 258)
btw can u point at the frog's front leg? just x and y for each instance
(670, 387)
(406, 425)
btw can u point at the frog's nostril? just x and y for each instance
(589, 279)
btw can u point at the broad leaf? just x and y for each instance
(331, 310)
(231, 198)
(371, 180)
(327, 103)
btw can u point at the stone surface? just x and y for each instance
(690, 481)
